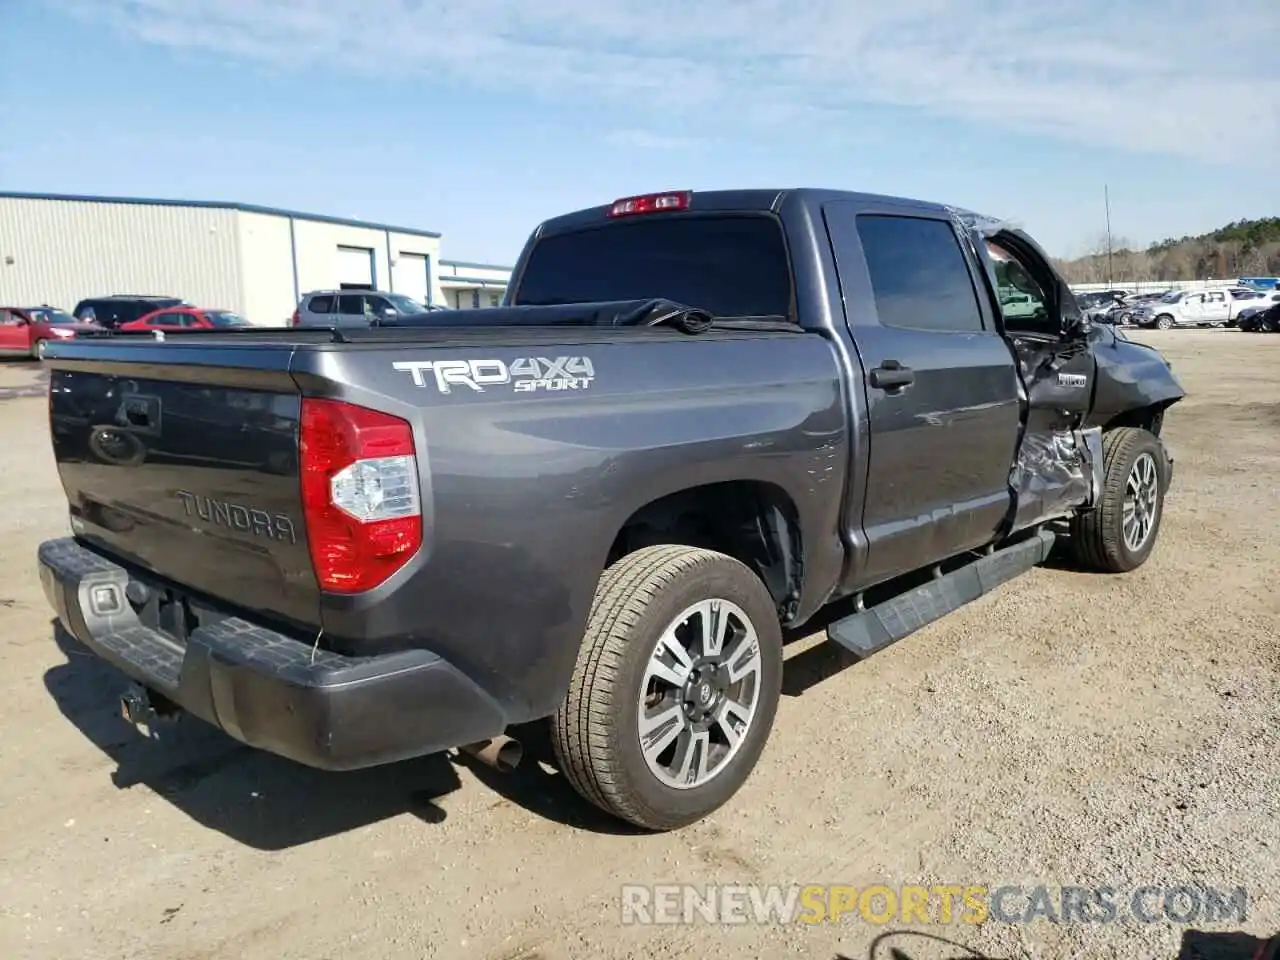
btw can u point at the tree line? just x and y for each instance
(1241, 249)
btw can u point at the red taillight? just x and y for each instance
(651, 203)
(359, 494)
(296, 319)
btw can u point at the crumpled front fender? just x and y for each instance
(1130, 376)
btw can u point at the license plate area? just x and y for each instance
(170, 612)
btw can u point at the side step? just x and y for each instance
(886, 623)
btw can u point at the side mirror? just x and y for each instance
(389, 312)
(1075, 327)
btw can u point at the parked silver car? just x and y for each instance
(353, 308)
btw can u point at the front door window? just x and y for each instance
(1023, 302)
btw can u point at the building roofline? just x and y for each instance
(482, 281)
(474, 266)
(221, 205)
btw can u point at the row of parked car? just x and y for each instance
(1226, 306)
(24, 331)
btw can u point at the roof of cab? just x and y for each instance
(744, 200)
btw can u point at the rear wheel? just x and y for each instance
(675, 688)
(1120, 532)
(38, 350)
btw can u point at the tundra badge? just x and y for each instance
(236, 516)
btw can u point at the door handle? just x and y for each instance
(892, 375)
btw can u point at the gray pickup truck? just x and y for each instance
(699, 420)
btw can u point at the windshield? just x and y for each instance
(225, 318)
(56, 318)
(405, 304)
(730, 266)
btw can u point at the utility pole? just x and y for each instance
(1106, 199)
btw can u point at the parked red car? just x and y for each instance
(24, 330)
(187, 318)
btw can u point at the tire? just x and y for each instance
(1098, 535)
(1164, 322)
(37, 352)
(595, 734)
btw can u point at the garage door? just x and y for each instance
(355, 268)
(412, 275)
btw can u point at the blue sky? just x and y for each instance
(478, 118)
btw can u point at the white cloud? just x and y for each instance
(1157, 75)
(649, 140)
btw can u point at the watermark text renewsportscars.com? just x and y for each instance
(900, 904)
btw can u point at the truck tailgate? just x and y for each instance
(190, 473)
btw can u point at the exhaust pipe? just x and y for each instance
(502, 752)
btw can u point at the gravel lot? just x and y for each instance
(1069, 729)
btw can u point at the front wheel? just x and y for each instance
(675, 689)
(1119, 532)
(1164, 322)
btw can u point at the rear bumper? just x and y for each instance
(266, 689)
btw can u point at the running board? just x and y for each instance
(886, 623)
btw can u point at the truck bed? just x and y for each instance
(524, 482)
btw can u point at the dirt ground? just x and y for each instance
(1069, 729)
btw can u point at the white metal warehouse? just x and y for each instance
(257, 261)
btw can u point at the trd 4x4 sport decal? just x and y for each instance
(526, 375)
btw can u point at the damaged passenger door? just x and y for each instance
(1058, 464)
(941, 389)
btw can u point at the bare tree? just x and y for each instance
(1252, 261)
(1247, 247)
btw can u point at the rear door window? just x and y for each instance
(728, 265)
(351, 305)
(919, 275)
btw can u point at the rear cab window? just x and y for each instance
(730, 265)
